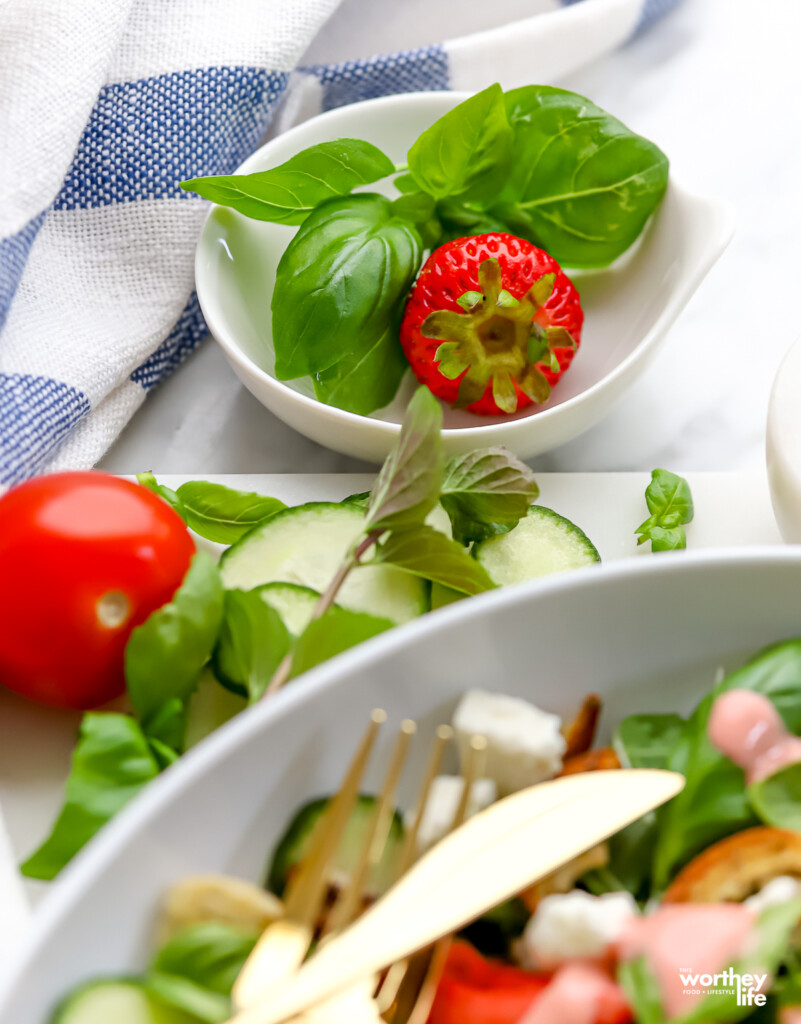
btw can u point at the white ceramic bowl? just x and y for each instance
(646, 634)
(628, 307)
(783, 446)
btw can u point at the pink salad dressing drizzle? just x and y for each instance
(746, 727)
(573, 996)
(695, 938)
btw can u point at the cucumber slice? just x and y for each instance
(438, 519)
(306, 545)
(210, 706)
(542, 543)
(293, 846)
(293, 603)
(117, 1001)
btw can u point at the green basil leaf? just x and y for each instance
(210, 954)
(486, 492)
(362, 499)
(467, 152)
(713, 803)
(288, 193)
(410, 479)
(166, 730)
(582, 185)
(637, 980)
(111, 763)
(252, 644)
(670, 503)
(166, 654)
(426, 552)
(405, 183)
(646, 741)
(339, 293)
(188, 997)
(334, 632)
(777, 799)
(149, 481)
(221, 513)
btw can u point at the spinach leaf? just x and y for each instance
(637, 980)
(334, 632)
(714, 803)
(339, 292)
(252, 644)
(486, 492)
(426, 552)
(670, 503)
(466, 152)
(777, 799)
(166, 654)
(581, 185)
(210, 954)
(288, 193)
(410, 480)
(646, 741)
(111, 763)
(195, 971)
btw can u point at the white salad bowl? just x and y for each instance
(648, 635)
(628, 307)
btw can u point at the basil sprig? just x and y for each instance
(670, 503)
(544, 163)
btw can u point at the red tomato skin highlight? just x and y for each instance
(66, 540)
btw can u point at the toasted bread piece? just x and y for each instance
(564, 878)
(734, 868)
(580, 732)
(590, 761)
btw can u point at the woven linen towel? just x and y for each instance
(106, 105)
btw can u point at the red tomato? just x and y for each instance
(84, 558)
(474, 990)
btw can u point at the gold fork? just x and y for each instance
(285, 944)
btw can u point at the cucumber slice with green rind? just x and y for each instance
(541, 544)
(292, 847)
(117, 1001)
(306, 545)
(293, 603)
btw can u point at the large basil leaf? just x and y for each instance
(582, 185)
(253, 642)
(777, 799)
(338, 295)
(111, 763)
(466, 153)
(714, 803)
(287, 194)
(334, 632)
(166, 654)
(486, 492)
(409, 483)
(426, 552)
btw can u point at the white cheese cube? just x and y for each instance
(781, 889)
(443, 802)
(575, 924)
(524, 744)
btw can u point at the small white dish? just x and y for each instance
(783, 446)
(646, 634)
(628, 307)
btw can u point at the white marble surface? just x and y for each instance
(716, 84)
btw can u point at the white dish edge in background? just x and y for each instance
(703, 228)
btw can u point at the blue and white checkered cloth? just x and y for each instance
(106, 105)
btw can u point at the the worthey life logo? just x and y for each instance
(746, 987)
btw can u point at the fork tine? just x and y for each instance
(409, 853)
(283, 945)
(347, 907)
(416, 981)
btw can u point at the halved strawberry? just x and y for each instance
(492, 323)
